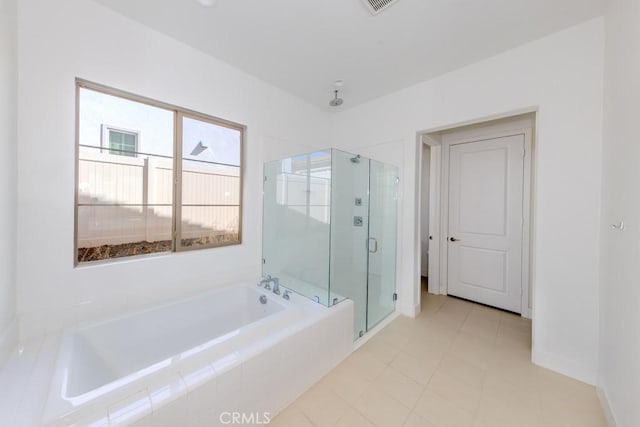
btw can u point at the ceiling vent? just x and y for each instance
(377, 6)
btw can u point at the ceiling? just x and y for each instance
(303, 46)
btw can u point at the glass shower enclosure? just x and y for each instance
(330, 230)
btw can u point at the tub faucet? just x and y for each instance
(276, 285)
(266, 282)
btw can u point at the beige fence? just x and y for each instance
(124, 200)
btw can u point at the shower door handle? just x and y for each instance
(375, 248)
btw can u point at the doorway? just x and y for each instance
(425, 235)
(475, 212)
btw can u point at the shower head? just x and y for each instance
(355, 159)
(335, 102)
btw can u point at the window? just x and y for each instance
(120, 142)
(172, 184)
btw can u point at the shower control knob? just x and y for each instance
(453, 239)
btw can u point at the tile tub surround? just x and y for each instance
(261, 374)
(458, 364)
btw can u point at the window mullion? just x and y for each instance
(177, 182)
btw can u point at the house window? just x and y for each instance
(121, 143)
(173, 184)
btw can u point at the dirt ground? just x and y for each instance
(141, 248)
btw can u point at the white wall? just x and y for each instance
(59, 41)
(8, 143)
(560, 75)
(619, 375)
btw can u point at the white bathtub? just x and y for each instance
(223, 349)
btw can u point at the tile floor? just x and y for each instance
(458, 364)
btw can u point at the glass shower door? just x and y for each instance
(383, 180)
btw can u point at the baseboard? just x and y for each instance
(564, 367)
(409, 309)
(8, 340)
(606, 407)
(416, 310)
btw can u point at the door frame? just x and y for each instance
(434, 212)
(523, 124)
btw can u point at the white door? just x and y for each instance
(485, 221)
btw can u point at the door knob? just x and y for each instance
(453, 239)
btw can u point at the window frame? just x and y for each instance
(105, 140)
(178, 114)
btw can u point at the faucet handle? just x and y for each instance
(286, 294)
